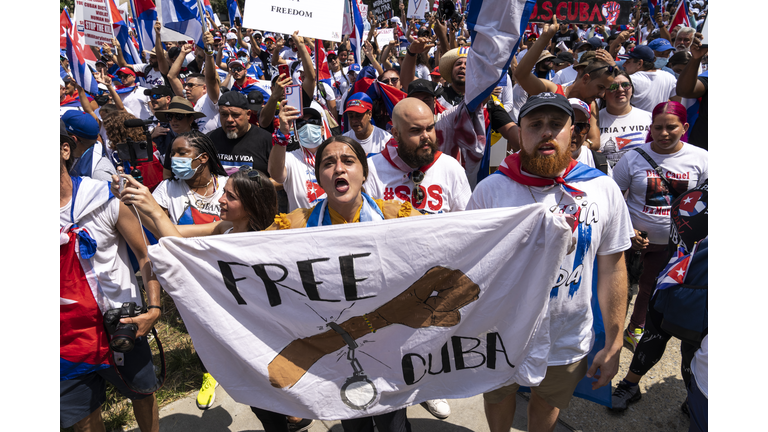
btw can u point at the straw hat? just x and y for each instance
(448, 59)
(178, 105)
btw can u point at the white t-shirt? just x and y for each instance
(211, 120)
(111, 265)
(300, 183)
(604, 228)
(586, 157)
(619, 134)
(176, 197)
(647, 203)
(375, 142)
(153, 79)
(329, 94)
(445, 184)
(137, 103)
(519, 97)
(422, 72)
(700, 367)
(343, 83)
(565, 76)
(652, 88)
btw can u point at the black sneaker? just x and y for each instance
(684, 408)
(301, 426)
(623, 395)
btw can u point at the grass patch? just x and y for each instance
(183, 371)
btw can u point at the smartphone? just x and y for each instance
(237, 21)
(283, 69)
(123, 182)
(293, 97)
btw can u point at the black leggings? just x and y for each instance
(271, 421)
(396, 421)
(653, 344)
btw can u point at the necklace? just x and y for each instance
(200, 201)
(553, 208)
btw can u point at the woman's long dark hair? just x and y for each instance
(258, 196)
(203, 144)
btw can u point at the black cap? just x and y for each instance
(234, 99)
(563, 57)
(545, 99)
(255, 100)
(159, 90)
(424, 86)
(173, 52)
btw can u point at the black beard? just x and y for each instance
(545, 166)
(413, 159)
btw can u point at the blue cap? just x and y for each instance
(596, 42)
(354, 67)
(660, 45)
(81, 124)
(643, 53)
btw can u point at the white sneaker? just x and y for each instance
(438, 408)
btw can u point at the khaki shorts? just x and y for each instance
(556, 388)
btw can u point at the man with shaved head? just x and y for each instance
(410, 168)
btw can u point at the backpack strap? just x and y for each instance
(601, 161)
(659, 171)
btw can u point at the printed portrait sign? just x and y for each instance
(319, 19)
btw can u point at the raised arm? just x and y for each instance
(442, 36)
(267, 114)
(663, 32)
(408, 67)
(368, 51)
(173, 72)
(688, 84)
(107, 81)
(276, 163)
(278, 46)
(310, 79)
(211, 77)
(85, 104)
(162, 60)
(524, 72)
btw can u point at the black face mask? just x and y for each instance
(101, 99)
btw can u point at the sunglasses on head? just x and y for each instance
(252, 174)
(312, 121)
(581, 127)
(615, 86)
(613, 70)
(176, 116)
(418, 177)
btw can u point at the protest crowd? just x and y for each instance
(236, 130)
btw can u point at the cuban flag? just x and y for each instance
(692, 205)
(495, 27)
(65, 23)
(652, 4)
(321, 64)
(76, 55)
(234, 11)
(184, 16)
(146, 15)
(674, 273)
(681, 16)
(356, 37)
(123, 36)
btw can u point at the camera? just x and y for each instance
(123, 335)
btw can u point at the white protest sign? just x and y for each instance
(704, 39)
(363, 10)
(319, 19)
(417, 8)
(383, 36)
(97, 22)
(348, 321)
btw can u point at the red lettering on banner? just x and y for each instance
(558, 8)
(596, 11)
(436, 193)
(403, 193)
(573, 11)
(583, 11)
(533, 14)
(547, 7)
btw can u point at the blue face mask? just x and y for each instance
(660, 62)
(578, 56)
(182, 167)
(310, 136)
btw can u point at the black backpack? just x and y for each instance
(601, 161)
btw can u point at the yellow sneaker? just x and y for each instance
(207, 393)
(633, 337)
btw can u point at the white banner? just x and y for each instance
(351, 321)
(417, 8)
(97, 22)
(319, 19)
(383, 36)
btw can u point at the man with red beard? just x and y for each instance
(410, 168)
(543, 172)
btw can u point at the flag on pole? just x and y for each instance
(145, 15)
(652, 11)
(209, 9)
(346, 24)
(76, 55)
(495, 27)
(234, 11)
(681, 16)
(65, 24)
(185, 17)
(321, 64)
(356, 37)
(120, 29)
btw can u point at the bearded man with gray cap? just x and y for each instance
(543, 172)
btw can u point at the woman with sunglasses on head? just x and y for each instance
(180, 117)
(622, 126)
(651, 177)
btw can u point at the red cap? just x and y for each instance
(436, 71)
(358, 106)
(126, 70)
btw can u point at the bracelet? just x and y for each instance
(410, 53)
(153, 307)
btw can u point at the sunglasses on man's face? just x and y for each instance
(236, 69)
(581, 127)
(156, 96)
(176, 116)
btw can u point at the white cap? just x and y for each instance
(246, 39)
(231, 35)
(578, 104)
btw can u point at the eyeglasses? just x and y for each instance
(418, 177)
(236, 69)
(389, 81)
(611, 70)
(615, 86)
(190, 85)
(581, 127)
(176, 116)
(252, 174)
(313, 121)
